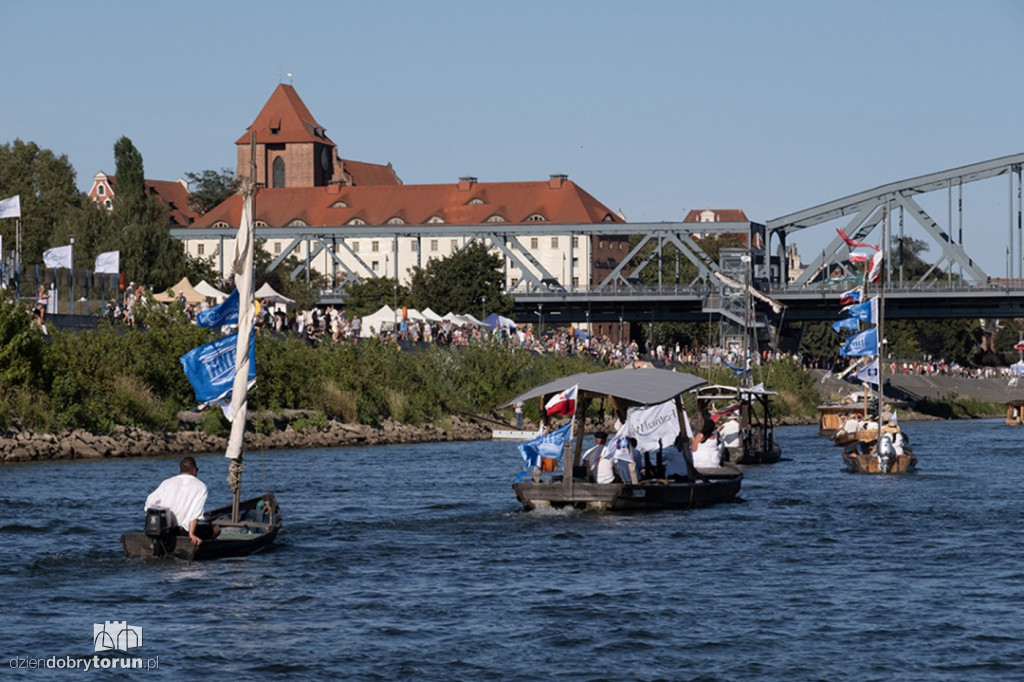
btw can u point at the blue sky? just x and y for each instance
(653, 107)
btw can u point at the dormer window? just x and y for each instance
(356, 221)
(475, 201)
(339, 204)
(297, 223)
(495, 219)
(220, 223)
(275, 126)
(435, 220)
(396, 221)
(259, 223)
(536, 218)
(608, 218)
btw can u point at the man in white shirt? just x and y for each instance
(185, 496)
(599, 469)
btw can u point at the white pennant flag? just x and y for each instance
(869, 373)
(11, 208)
(58, 257)
(108, 263)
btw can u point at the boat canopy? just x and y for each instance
(640, 386)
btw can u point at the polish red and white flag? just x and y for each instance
(563, 402)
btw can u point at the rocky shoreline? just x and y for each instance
(23, 446)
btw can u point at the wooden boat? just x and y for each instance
(879, 447)
(246, 526)
(1015, 413)
(831, 416)
(750, 408)
(625, 389)
(255, 530)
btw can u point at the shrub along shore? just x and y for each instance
(118, 392)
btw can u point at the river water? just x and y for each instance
(416, 562)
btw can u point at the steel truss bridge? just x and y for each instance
(955, 286)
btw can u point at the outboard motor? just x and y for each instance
(159, 523)
(886, 451)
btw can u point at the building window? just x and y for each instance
(513, 282)
(278, 172)
(297, 223)
(108, 205)
(433, 245)
(435, 220)
(575, 242)
(277, 248)
(375, 246)
(200, 249)
(356, 221)
(375, 265)
(259, 223)
(101, 190)
(355, 246)
(536, 218)
(455, 245)
(533, 242)
(414, 245)
(575, 282)
(575, 263)
(495, 219)
(475, 202)
(396, 221)
(220, 223)
(339, 204)
(554, 242)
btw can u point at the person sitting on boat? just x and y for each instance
(676, 467)
(730, 436)
(852, 424)
(624, 459)
(705, 447)
(599, 469)
(184, 496)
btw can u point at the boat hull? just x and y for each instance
(720, 485)
(236, 539)
(867, 463)
(755, 456)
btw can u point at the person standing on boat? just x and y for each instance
(185, 496)
(599, 469)
(730, 435)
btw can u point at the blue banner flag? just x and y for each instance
(210, 368)
(867, 311)
(849, 324)
(861, 343)
(548, 445)
(222, 314)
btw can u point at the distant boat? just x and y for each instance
(1015, 413)
(246, 526)
(750, 408)
(623, 388)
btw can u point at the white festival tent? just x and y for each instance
(267, 293)
(210, 291)
(431, 316)
(373, 324)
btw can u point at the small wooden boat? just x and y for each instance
(254, 531)
(831, 416)
(1015, 413)
(876, 451)
(626, 389)
(748, 411)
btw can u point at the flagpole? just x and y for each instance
(881, 321)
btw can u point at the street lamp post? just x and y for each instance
(71, 292)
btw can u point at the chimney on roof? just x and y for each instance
(466, 183)
(556, 180)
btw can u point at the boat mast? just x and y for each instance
(881, 319)
(243, 269)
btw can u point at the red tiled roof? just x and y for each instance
(285, 112)
(722, 215)
(174, 196)
(362, 174)
(416, 204)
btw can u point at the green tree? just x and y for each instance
(209, 188)
(363, 298)
(49, 198)
(149, 255)
(468, 281)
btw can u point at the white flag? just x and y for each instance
(108, 263)
(11, 208)
(59, 257)
(869, 373)
(653, 426)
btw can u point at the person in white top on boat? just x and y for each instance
(621, 451)
(599, 469)
(730, 435)
(185, 496)
(705, 447)
(851, 425)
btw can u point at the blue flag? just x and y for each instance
(867, 311)
(222, 314)
(548, 445)
(861, 343)
(849, 324)
(210, 368)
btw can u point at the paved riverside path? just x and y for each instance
(918, 386)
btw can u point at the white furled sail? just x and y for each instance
(242, 267)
